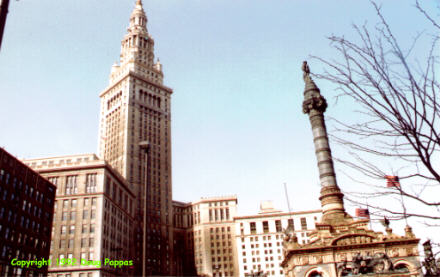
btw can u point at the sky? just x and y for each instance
(235, 68)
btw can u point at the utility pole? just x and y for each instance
(4, 4)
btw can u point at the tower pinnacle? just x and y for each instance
(138, 19)
(137, 49)
(315, 105)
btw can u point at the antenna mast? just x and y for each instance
(287, 198)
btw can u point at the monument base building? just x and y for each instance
(341, 245)
(351, 249)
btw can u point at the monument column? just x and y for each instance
(314, 105)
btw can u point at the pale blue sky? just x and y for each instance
(237, 123)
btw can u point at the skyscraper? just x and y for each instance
(135, 108)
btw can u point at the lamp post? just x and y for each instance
(145, 145)
(4, 4)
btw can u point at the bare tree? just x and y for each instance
(398, 114)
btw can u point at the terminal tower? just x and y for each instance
(135, 139)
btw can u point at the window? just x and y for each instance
(401, 268)
(70, 244)
(278, 226)
(84, 229)
(315, 274)
(93, 214)
(65, 203)
(74, 203)
(91, 242)
(64, 217)
(303, 223)
(85, 214)
(86, 201)
(94, 201)
(91, 183)
(265, 226)
(92, 228)
(72, 215)
(63, 229)
(72, 229)
(71, 186)
(290, 222)
(53, 180)
(253, 228)
(83, 243)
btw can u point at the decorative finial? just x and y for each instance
(305, 69)
(138, 2)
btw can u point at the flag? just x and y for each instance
(362, 213)
(392, 181)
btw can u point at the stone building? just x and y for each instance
(93, 217)
(341, 245)
(211, 240)
(259, 238)
(135, 108)
(208, 230)
(26, 210)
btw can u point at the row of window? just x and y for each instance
(278, 226)
(17, 186)
(218, 214)
(72, 215)
(85, 242)
(74, 202)
(23, 239)
(86, 228)
(88, 274)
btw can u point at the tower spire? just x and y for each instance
(137, 49)
(315, 105)
(138, 19)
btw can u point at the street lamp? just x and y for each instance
(4, 4)
(145, 145)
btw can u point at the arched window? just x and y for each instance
(401, 268)
(315, 274)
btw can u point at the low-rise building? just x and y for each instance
(259, 238)
(93, 219)
(211, 240)
(209, 237)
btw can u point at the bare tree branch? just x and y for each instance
(396, 97)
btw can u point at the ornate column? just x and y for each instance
(331, 196)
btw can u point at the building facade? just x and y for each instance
(209, 237)
(259, 238)
(26, 211)
(135, 108)
(211, 240)
(184, 261)
(93, 217)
